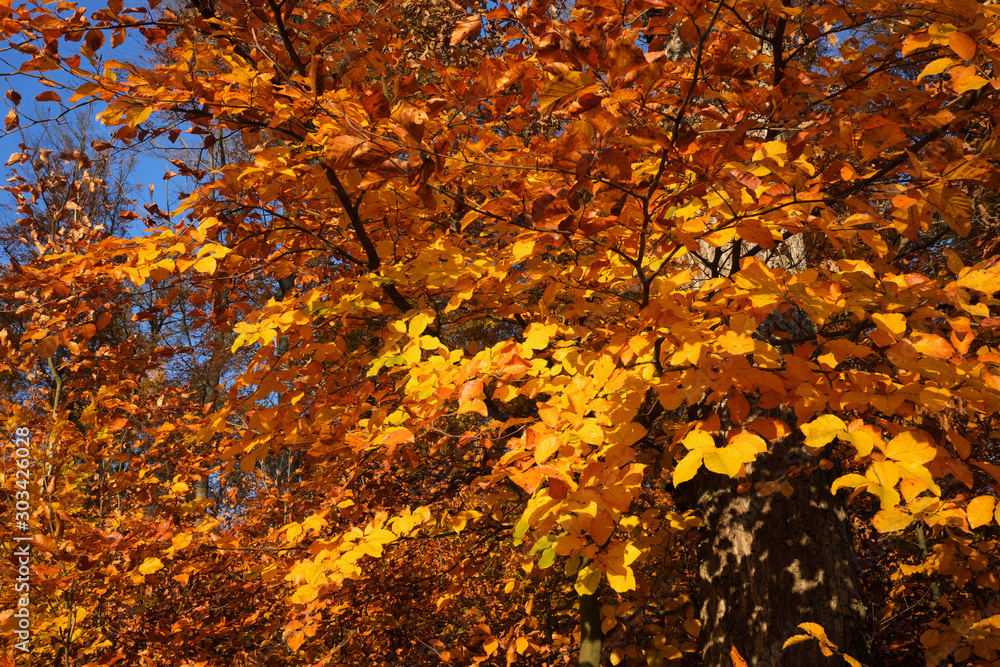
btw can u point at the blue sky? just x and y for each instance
(150, 169)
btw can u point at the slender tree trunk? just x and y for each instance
(768, 563)
(591, 635)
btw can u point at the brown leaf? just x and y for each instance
(467, 28)
(376, 104)
(94, 39)
(413, 120)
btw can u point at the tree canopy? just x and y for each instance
(606, 332)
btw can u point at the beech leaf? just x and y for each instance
(467, 28)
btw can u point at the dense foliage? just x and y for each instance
(473, 321)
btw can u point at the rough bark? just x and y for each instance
(769, 563)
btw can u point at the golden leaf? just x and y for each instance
(892, 519)
(980, 511)
(150, 565)
(820, 431)
(687, 467)
(912, 447)
(935, 67)
(725, 461)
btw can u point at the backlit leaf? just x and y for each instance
(980, 510)
(963, 45)
(822, 430)
(912, 447)
(688, 466)
(150, 565)
(891, 520)
(467, 28)
(725, 461)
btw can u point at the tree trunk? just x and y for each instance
(591, 635)
(769, 563)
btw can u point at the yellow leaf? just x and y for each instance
(953, 204)
(980, 511)
(521, 645)
(935, 67)
(890, 520)
(590, 432)
(304, 594)
(150, 565)
(964, 79)
(206, 265)
(616, 560)
(545, 445)
(418, 324)
(852, 662)
(522, 249)
(181, 540)
(852, 480)
(912, 447)
(538, 335)
(726, 461)
(816, 630)
(892, 323)
(864, 439)
(985, 279)
(736, 343)
(587, 580)
(796, 639)
(621, 581)
(136, 115)
(748, 445)
(601, 528)
(931, 345)
(698, 439)
(687, 467)
(820, 431)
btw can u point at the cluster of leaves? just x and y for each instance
(425, 365)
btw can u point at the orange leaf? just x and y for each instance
(964, 79)
(737, 659)
(980, 511)
(962, 44)
(468, 27)
(563, 88)
(931, 345)
(601, 528)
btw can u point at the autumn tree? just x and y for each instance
(607, 333)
